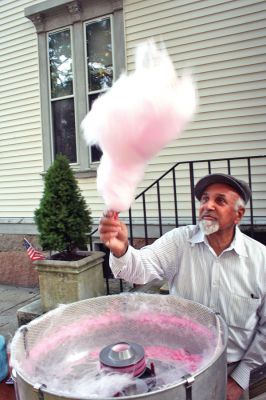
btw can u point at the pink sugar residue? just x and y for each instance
(163, 353)
(95, 354)
(66, 333)
(154, 322)
(167, 321)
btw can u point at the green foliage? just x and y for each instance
(63, 218)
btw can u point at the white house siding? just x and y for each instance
(223, 43)
(20, 128)
(21, 155)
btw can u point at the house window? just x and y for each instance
(100, 71)
(62, 94)
(81, 53)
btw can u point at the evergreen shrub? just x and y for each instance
(63, 217)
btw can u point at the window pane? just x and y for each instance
(64, 128)
(99, 54)
(96, 152)
(60, 63)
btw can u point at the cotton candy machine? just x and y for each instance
(130, 346)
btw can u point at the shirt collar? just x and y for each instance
(198, 236)
(237, 243)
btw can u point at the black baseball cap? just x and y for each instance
(239, 186)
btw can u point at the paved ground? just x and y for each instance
(11, 299)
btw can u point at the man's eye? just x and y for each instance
(204, 199)
(220, 200)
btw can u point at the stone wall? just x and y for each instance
(15, 242)
(16, 268)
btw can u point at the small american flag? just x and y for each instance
(32, 252)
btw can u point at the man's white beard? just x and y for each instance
(208, 227)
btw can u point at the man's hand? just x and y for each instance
(234, 391)
(113, 233)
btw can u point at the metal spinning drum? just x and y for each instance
(141, 336)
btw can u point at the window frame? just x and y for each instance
(72, 96)
(56, 15)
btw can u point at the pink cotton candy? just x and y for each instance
(164, 353)
(134, 120)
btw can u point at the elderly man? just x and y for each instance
(212, 263)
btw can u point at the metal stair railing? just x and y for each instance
(245, 162)
(191, 168)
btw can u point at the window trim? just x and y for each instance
(54, 15)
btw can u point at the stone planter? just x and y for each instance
(64, 282)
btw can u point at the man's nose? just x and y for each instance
(210, 204)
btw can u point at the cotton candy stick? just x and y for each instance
(141, 113)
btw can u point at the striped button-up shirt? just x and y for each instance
(233, 284)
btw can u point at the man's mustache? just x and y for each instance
(208, 214)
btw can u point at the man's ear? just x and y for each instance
(239, 214)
